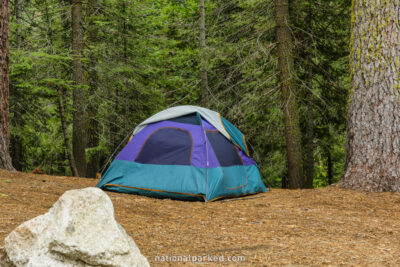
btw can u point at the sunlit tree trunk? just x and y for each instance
(5, 159)
(79, 100)
(290, 113)
(373, 141)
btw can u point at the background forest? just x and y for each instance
(139, 57)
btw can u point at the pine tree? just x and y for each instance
(373, 137)
(289, 106)
(5, 159)
(79, 97)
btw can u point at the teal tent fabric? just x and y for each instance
(236, 136)
(150, 180)
(188, 153)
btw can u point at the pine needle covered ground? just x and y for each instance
(328, 226)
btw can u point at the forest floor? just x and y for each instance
(327, 226)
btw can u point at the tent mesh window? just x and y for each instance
(167, 146)
(225, 151)
(192, 118)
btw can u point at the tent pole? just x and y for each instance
(112, 155)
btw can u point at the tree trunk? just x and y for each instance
(5, 159)
(61, 159)
(290, 115)
(93, 124)
(284, 184)
(65, 23)
(17, 94)
(203, 55)
(126, 99)
(330, 167)
(309, 163)
(71, 158)
(373, 134)
(113, 95)
(16, 148)
(78, 121)
(51, 164)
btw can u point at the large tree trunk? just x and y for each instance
(5, 159)
(78, 121)
(309, 162)
(290, 115)
(203, 54)
(373, 141)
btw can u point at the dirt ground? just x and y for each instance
(328, 226)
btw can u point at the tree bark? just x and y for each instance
(373, 134)
(309, 162)
(93, 124)
(330, 166)
(289, 106)
(17, 94)
(17, 149)
(203, 54)
(71, 158)
(78, 121)
(5, 159)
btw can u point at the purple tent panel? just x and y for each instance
(199, 151)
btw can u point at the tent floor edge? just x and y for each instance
(154, 193)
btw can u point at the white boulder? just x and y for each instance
(79, 230)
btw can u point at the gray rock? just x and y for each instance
(79, 230)
(3, 258)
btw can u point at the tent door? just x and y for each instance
(233, 171)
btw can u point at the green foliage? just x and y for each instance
(143, 56)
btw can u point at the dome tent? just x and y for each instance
(185, 152)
